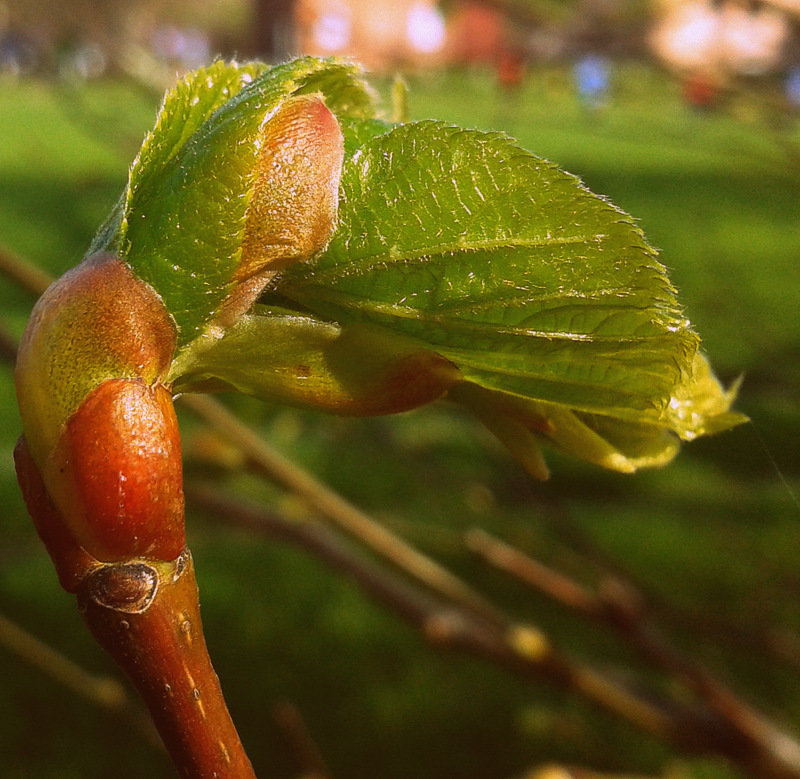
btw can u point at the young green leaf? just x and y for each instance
(280, 354)
(292, 357)
(505, 265)
(461, 265)
(561, 322)
(181, 221)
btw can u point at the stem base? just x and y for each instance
(145, 614)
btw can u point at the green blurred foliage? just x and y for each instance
(714, 534)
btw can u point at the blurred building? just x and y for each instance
(478, 33)
(385, 34)
(724, 38)
(82, 36)
(379, 33)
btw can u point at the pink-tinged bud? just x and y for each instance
(294, 203)
(121, 483)
(295, 197)
(98, 424)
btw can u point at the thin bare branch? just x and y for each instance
(29, 276)
(777, 645)
(306, 752)
(522, 649)
(452, 615)
(416, 605)
(8, 347)
(619, 606)
(334, 508)
(533, 573)
(102, 691)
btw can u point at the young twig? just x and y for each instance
(521, 649)
(452, 615)
(145, 614)
(619, 606)
(334, 508)
(143, 611)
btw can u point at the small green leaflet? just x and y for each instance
(180, 221)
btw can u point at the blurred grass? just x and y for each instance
(715, 533)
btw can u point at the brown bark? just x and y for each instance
(145, 614)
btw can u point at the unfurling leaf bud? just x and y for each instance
(292, 212)
(97, 322)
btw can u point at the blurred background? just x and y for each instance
(713, 41)
(686, 114)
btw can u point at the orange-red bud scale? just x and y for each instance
(122, 452)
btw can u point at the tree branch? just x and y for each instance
(146, 615)
(452, 615)
(519, 648)
(620, 607)
(310, 763)
(25, 274)
(334, 508)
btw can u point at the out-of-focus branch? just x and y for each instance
(30, 278)
(452, 615)
(442, 621)
(310, 763)
(25, 274)
(8, 347)
(418, 605)
(776, 645)
(102, 691)
(334, 508)
(619, 606)
(522, 649)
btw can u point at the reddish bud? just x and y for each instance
(119, 461)
(293, 208)
(100, 466)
